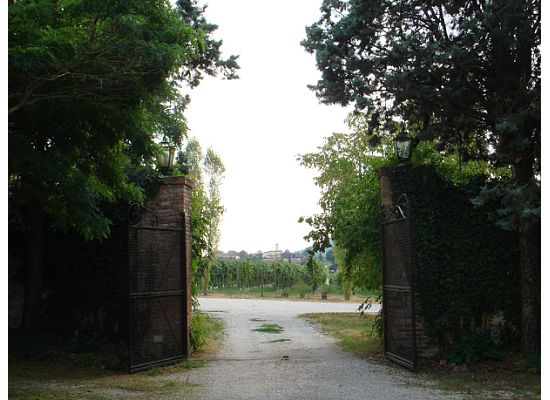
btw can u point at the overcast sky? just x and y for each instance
(259, 123)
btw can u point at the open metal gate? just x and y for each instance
(397, 284)
(157, 293)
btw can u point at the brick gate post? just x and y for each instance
(171, 202)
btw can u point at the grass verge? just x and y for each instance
(33, 379)
(354, 332)
(515, 377)
(56, 376)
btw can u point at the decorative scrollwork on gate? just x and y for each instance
(396, 212)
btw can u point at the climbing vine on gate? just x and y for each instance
(466, 268)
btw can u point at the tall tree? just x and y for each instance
(465, 74)
(350, 201)
(91, 86)
(206, 170)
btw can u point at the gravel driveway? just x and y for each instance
(308, 366)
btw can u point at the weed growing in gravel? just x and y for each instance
(257, 320)
(269, 328)
(278, 341)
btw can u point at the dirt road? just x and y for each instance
(298, 362)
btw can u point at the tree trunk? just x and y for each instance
(529, 239)
(34, 251)
(530, 259)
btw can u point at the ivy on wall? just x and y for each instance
(466, 268)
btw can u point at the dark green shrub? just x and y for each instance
(477, 346)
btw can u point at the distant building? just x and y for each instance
(257, 255)
(272, 255)
(230, 255)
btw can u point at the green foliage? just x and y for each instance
(317, 273)
(204, 331)
(85, 299)
(352, 331)
(246, 274)
(348, 167)
(206, 170)
(269, 328)
(197, 333)
(465, 76)
(378, 322)
(279, 341)
(302, 289)
(432, 65)
(91, 86)
(478, 345)
(466, 268)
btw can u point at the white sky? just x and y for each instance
(260, 122)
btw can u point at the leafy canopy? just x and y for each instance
(91, 86)
(466, 73)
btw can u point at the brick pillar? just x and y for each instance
(173, 201)
(385, 187)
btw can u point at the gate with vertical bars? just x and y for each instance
(156, 294)
(397, 284)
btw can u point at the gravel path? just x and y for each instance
(309, 366)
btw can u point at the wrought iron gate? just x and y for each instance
(397, 284)
(157, 293)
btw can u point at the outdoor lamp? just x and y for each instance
(166, 159)
(403, 146)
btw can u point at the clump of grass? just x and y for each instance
(269, 328)
(257, 320)
(354, 332)
(278, 341)
(206, 333)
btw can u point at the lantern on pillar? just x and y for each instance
(166, 159)
(403, 145)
